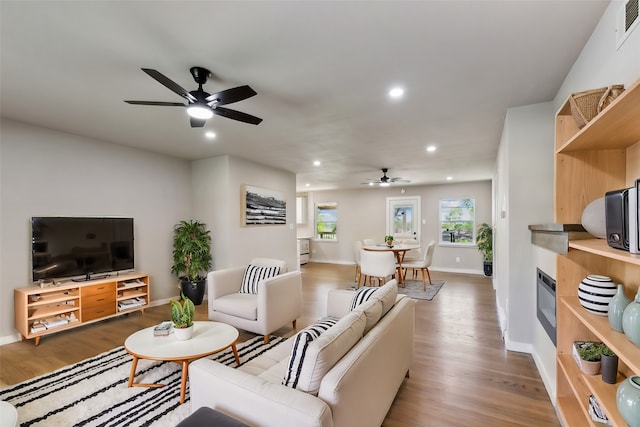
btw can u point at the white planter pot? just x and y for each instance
(183, 334)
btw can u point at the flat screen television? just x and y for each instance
(64, 247)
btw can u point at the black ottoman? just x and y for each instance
(205, 417)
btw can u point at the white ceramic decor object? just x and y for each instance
(594, 218)
(595, 293)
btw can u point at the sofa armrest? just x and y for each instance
(339, 302)
(280, 299)
(224, 282)
(252, 399)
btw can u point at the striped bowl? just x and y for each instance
(595, 293)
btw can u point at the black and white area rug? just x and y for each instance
(94, 391)
(415, 289)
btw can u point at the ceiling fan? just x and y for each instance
(200, 104)
(384, 179)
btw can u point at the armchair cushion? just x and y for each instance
(253, 274)
(240, 305)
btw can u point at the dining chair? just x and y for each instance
(378, 264)
(412, 255)
(423, 264)
(357, 247)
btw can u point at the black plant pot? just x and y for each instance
(488, 268)
(194, 290)
(609, 368)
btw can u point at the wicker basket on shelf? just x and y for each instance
(586, 105)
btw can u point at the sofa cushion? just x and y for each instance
(386, 293)
(244, 306)
(253, 274)
(326, 350)
(372, 310)
(301, 342)
(362, 295)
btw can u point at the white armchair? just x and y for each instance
(277, 302)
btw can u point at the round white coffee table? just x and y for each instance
(8, 415)
(208, 338)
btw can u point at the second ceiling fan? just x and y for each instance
(384, 180)
(200, 104)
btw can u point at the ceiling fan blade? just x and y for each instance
(170, 84)
(197, 123)
(164, 104)
(237, 115)
(230, 96)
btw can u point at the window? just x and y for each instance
(457, 221)
(327, 221)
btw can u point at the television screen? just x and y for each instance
(73, 246)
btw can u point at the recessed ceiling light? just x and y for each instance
(431, 148)
(449, 178)
(370, 184)
(210, 134)
(307, 185)
(396, 92)
(316, 163)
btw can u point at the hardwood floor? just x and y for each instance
(461, 375)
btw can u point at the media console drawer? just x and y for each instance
(98, 311)
(102, 288)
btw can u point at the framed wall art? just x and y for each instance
(261, 206)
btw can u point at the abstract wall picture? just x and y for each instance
(261, 206)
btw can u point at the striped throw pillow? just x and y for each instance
(253, 274)
(362, 295)
(302, 341)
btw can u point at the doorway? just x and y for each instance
(403, 217)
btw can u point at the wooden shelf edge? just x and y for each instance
(584, 139)
(601, 248)
(599, 325)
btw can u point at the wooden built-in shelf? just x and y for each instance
(602, 156)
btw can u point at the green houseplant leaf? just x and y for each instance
(182, 313)
(191, 250)
(484, 241)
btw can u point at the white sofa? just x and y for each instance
(278, 300)
(356, 390)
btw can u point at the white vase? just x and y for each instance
(183, 334)
(595, 293)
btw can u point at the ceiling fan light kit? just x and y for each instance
(199, 112)
(200, 104)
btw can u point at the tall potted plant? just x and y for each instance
(484, 241)
(191, 258)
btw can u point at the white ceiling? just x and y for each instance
(322, 70)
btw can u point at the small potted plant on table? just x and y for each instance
(182, 314)
(388, 240)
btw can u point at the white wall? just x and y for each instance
(217, 199)
(362, 214)
(48, 173)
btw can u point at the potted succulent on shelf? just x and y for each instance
(589, 354)
(182, 317)
(388, 240)
(191, 257)
(484, 241)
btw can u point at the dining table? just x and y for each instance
(399, 250)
